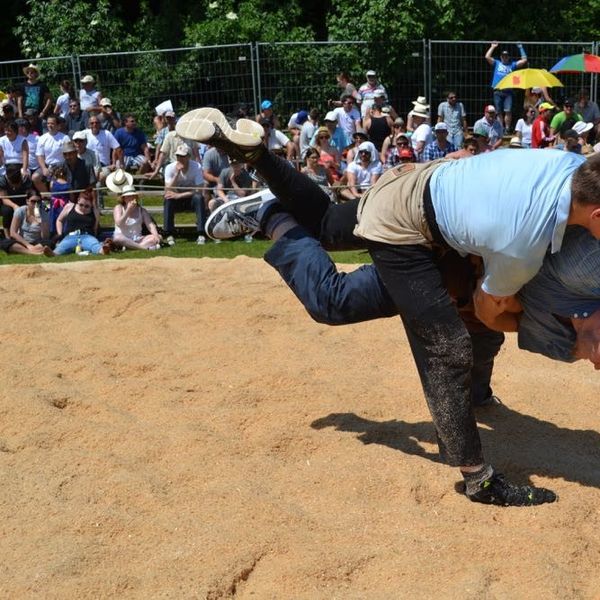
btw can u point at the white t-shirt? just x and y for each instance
(277, 140)
(347, 121)
(191, 178)
(363, 174)
(101, 144)
(63, 104)
(421, 134)
(32, 141)
(50, 147)
(525, 130)
(89, 99)
(12, 150)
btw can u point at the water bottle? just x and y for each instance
(78, 246)
(36, 210)
(248, 238)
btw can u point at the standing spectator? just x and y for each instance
(541, 136)
(49, 153)
(422, 135)
(76, 119)
(503, 99)
(491, 125)
(132, 140)
(34, 94)
(14, 150)
(348, 89)
(110, 119)
(525, 125)
(377, 123)
(348, 118)
(61, 108)
(367, 92)
(564, 119)
(183, 182)
(440, 147)
(129, 218)
(309, 127)
(89, 96)
(266, 113)
(452, 112)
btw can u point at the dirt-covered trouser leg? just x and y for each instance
(440, 344)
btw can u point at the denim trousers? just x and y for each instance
(195, 203)
(454, 364)
(88, 243)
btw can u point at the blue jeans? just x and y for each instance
(456, 139)
(195, 203)
(503, 101)
(69, 242)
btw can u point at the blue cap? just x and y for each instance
(266, 104)
(301, 117)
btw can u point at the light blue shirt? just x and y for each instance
(501, 70)
(506, 206)
(566, 287)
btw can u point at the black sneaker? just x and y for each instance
(490, 400)
(210, 126)
(496, 490)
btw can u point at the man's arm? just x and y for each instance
(523, 60)
(488, 54)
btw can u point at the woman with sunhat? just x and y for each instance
(129, 218)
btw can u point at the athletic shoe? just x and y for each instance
(496, 490)
(210, 126)
(243, 216)
(491, 400)
(201, 240)
(170, 241)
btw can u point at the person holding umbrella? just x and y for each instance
(503, 99)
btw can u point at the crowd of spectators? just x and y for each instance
(58, 156)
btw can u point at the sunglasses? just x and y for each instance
(82, 205)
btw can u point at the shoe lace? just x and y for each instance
(497, 490)
(239, 223)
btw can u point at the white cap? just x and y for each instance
(87, 79)
(371, 73)
(331, 116)
(79, 135)
(105, 102)
(581, 127)
(440, 127)
(182, 150)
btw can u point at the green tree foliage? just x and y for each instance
(227, 22)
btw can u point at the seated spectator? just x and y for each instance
(400, 151)
(215, 162)
(276, 141)
(183, 183)
(32, 140)
(421, 103)
(492, 126)
(171, 141)
(13, 188)
(440, 146)
(362, 174)
(103, 143)
(90, 158)
(61, 108)
(524, 126)
(266, 114)
(295, 126)
(309, 128)
(470, 148)
(77, 226)
(7, 111)
(49, 153)
(30, 226)
(480, 135)
(329, 155)
(390, 140)
(359, 136)
(570, 142)
(75, 119)
(110, 119)
(80, 175)
(14, 149)
(60, 194)
(34, 94)
(535, 96)
(348, 119)
(89, 96)
(583, 130)
(35, 123)
(129, 218)
(234, 182)
(136, 154)
(422, 135)
(541, 135)
(564, 119)
(317, 172)
(515, 143)
(377, 124)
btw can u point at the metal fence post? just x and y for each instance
(256, 86)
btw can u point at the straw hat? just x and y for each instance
(421, 101)
(128, 190)
(116, 181)
(31, 67)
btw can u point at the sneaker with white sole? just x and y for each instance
(201, 240)
(240, 217)
(170, 241)
(210, 126)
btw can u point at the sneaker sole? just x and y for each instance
(263, 195)
(198, 125)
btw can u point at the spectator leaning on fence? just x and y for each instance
(452, 112)
(503, 99)
(183, 183)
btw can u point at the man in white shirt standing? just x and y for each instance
(183, 182)
(49, 153)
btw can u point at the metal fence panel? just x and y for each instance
(460, 66)
(189, 77)
(297, 75)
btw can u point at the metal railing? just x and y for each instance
(296, 75)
